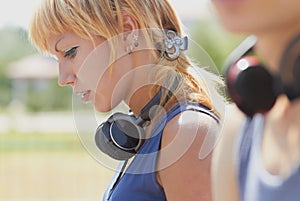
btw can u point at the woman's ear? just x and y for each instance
(130, 25)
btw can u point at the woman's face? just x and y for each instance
(257, 16)
(86, 74)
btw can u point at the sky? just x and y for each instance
(18, 12)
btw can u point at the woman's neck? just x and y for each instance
(140, 93)
(272, 44)
(139, 99)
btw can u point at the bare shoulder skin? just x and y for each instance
(186, 176)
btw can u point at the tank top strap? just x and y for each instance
(181, 107)
(193, 106)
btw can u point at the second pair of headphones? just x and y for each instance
(121, 136)
(252, 87)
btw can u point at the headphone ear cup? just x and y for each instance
(250, 86)
(105, 143)
(122, 135)
(291, 85)
(119, 137)
(289, 72)
(297, 77)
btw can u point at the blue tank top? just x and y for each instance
(139, 182)
(255, 182)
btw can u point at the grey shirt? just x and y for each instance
(255, 182)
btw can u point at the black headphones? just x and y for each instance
(252, 87)
(122, 135)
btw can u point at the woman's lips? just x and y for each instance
(85, 96)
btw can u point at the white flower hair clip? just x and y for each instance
(174, 44)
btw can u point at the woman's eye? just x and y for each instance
(71, 52)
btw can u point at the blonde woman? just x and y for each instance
(138, 50)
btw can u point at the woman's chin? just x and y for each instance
(103, 107)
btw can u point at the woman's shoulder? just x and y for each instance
(190, 120)
(180, 161)
(189, 129)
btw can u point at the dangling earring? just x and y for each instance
(129, 49)
(135, 40)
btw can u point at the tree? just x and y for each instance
(14, 46)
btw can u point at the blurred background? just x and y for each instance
(41, 156)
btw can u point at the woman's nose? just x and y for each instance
(66, 77)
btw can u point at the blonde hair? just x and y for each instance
(90, 18)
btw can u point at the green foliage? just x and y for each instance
(14, 46)
(51, 98)
(28, 142)
(5, 89)
(215, 41)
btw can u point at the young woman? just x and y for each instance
(260, 159)
(133, 51)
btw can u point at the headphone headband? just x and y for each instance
(154, 101)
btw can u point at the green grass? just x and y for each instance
(39, 166)
(32, 142)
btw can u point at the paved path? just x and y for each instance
(52, 122)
